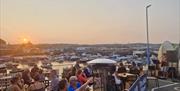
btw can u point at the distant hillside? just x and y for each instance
(47, 46)
(2, 42)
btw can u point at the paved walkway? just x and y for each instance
(165, 85)
(170, 87)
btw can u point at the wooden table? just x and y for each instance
(123, 77)
(127, 65)
(125, 74)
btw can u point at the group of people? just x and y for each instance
(118, 82)
(34, 80)
(76, 78)
(28, 80)
(162, 68)
(79, 78)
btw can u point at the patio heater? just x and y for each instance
(102, 67)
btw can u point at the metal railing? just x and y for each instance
(140, 84)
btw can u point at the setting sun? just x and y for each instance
(25, 40)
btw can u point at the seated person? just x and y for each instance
(37, 85)
(81, 77)
(54, 80)
(14, 84)
(118, 82)
(34, 71)
(122, 68)
(134, 70)
(63, 85)
(41, 75)
(88, 71)
(77, 66)
(157, 66)
(26, 77)
(164, 68)
(172, 71)
(74, 84)
(141, 72)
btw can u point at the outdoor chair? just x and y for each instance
(172, 72)
(152, 70)
(151, 76)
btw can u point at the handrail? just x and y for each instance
(140, 84)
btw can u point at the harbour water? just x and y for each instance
(55, 65)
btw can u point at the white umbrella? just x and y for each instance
(166, 46)
(102, 61)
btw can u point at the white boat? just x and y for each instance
(2, 66)
(46, 65)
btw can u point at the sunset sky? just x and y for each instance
(89, 21)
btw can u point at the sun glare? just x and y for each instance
(25, 40)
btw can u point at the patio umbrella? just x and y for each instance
(102, 61)
(102, 67)
(166, 46)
